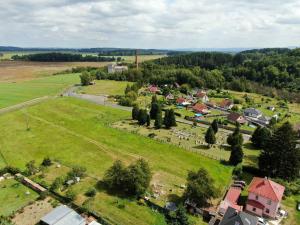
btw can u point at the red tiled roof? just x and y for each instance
(180, 100)
(235, 117)
(225, 103)
(266, 188)
(199, 107)
(255, 204)
(233, 195)
(153, 89)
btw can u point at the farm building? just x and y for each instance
(234, 217)
(63, 215)
(264, 197)
(236, 118)
(226, 104)
(200, 108)
(114, 68)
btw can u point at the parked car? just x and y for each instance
(241, 182)
(262, 221)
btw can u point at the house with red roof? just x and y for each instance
(182, 101)
(236, 118)
(264, 197)
(202, 96)
(226, 104)
(153, 89)
(200, 108)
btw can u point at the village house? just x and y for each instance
(264, 197)
(153, 89)
(114, 68)
(226, 104)
(169, 97)
(200, 108)
(236, 118)
(230, 200)
(252, 112)
(201, 95)
(235, 217)
(182, 102)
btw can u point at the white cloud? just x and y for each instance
(150, 23)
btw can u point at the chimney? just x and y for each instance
(136, 59)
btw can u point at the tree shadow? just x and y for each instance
(250, 146)
(101, 187)
(225, 148)
(175, 198)
(202, 147)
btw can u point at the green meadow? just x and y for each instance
(76, 132)
(12, 93)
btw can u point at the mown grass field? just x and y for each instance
(13, 196)
(14, 93)
(105, 87)
(75, 132)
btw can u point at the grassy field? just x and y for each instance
(105, 87)
(11, 71)
(17, 92)
(75, 132)
(13, 196)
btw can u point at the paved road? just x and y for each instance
(102, 100)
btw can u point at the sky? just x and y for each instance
(167, 24)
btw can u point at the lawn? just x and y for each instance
(17, 92)
(105, 87)
(13, 196)
(76, 132)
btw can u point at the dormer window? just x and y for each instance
(256, 197)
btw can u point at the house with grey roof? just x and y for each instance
(234, 217)
(252, 112)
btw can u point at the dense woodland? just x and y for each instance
(270, 72)
(63, 57)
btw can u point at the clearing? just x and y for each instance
(105, 87)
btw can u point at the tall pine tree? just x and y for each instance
(236, 155)
(210, 137)
(280, 156)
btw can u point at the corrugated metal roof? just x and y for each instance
(63, 215)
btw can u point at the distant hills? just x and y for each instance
(129, 51)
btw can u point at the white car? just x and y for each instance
(262, 221)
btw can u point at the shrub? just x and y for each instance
(91, 192)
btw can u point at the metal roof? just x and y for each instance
(63, 215)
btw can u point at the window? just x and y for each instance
(256, 197)
(267, 211)
(254, 209)
(269, 202)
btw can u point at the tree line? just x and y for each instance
(62, 57)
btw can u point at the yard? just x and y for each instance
(14, 196)
(105, 87)
(75, 132)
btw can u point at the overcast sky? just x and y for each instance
(150, 23)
